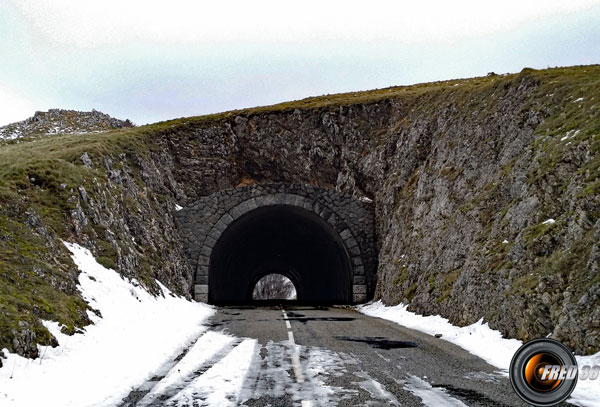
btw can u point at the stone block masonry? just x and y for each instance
(202, 224)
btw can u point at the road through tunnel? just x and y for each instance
(283, 239)
(320, 239)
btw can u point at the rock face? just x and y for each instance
(486, 193)
(462, 190)
(59, 121)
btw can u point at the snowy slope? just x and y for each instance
(136, 335)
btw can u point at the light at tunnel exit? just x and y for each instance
(274, 286)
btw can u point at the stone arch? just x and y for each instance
(203, 224)
(339, 229)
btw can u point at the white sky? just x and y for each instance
(155, 60)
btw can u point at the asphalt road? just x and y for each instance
(377, 362)
(318, 356)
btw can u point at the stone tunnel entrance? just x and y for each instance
(282, 239)
(320, 239)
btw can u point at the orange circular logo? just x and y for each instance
(535, 368)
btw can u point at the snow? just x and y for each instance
(375, 389)
(135, 336)
(505, 241)
(430, 395)
(178, 207)
(579, 100)
(587, 392)
(475, 338)
(222, 384)
(271, 375)
(206, 348)
(549, 222)
(480, 340)
(570, 134)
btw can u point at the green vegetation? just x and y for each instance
(498, 258)
(448, 283)
(41, 176)
(26, 266)
(401, 277)
(561, 264)
(573, 118)
(450, 173)
(537, 231)
(410, 293)
(431, 282)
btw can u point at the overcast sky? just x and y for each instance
(152, 60)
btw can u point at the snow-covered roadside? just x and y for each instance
(480, 340)
(135, 336)
(587, 392)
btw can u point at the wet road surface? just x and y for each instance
(321, 356)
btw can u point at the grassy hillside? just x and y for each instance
(44, 180)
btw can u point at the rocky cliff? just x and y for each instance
(486, 192)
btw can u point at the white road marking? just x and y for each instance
(285, 317)
(296, 355)
(296, 364)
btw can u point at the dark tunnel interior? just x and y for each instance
(280, 239)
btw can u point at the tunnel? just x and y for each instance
(283, 239)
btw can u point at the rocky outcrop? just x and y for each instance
(485, 190)
(59, 121)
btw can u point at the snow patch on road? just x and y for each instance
(430, 395)
(135, 336)
(222, 384)
(206, 348)
(375, 389)
(321, 365)
(270, 376)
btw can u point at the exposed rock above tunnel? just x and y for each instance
(464, 177)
